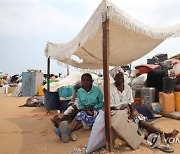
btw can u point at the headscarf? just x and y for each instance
(115, 71)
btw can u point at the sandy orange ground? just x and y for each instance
(28, 130)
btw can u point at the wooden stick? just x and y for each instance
(105, 26)
(48, 85)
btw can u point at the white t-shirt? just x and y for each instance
(117, 99)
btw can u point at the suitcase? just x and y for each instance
(166, 101)
(148, 96)
(126, 129)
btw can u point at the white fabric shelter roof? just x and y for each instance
(129, 40)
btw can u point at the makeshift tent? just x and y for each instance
(124, 40)
(129, 40)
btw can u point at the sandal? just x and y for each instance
(165, 148)
(150, 121)
(57, 131)
(65, 131)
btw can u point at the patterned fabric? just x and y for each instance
(139, 118)
(88, 119)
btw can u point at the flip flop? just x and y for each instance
(84, 125)
(65, 131)
(150, 121)
(57, 131)
(54, 123)
(165, 148)
(157, 116)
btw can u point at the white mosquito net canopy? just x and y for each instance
(129, 40)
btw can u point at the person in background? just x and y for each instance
(4, 82)
(72, 110)
(53, 78)
(90, 101)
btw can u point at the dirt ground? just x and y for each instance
(28, 130)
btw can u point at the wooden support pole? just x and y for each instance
(105, 27)
(67, 69)
(48, 85)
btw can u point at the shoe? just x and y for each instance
(65, 131)
(165, 148)
(85, 125)
(157, 116)
(57, 131)
(150, 121)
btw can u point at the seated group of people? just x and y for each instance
(89, 100)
